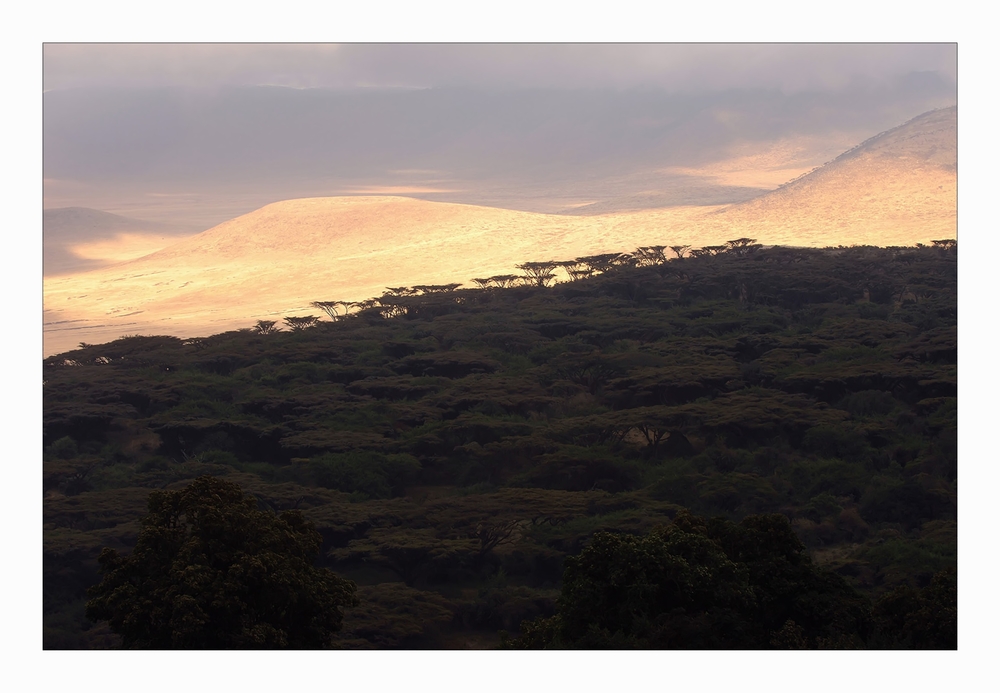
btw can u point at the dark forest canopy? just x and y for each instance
(457, 449)
(210, 570)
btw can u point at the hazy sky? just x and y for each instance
(790, 67)
(192, 134)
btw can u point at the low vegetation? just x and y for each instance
(482, 460)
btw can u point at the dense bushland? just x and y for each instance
(458, 449)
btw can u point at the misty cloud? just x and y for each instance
(268, 133)
(674, 67)
(193, 134)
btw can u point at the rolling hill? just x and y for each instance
(898, 185)
(898, 188)
(78, 239)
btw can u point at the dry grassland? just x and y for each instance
(273, 262)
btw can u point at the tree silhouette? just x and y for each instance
(335, 309)
(298, 323)
(680, 250)
(265, 327)
(650, 255)
(597, 263)
(505, 281)
(576, 269)
(538, 273)
(625, 260)
(399, 291)
(436, 288)
(392, 304)
(212, 571)
(493, 533)
(743, 246)
(948, 244)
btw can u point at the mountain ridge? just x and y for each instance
(898, 188)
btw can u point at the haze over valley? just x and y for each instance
(182, 199)
(898, 188)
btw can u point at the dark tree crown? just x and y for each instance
(212, 571)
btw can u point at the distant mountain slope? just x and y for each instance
(930, 138)
(68, 230)
(81, 223)
(898, 188)
(903, 178)
(281, 257)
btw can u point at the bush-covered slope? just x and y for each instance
(454, 448)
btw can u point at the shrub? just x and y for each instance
(372, 474)
(868, 403)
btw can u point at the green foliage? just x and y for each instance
(698, 584)
(372, 474)
(63, 449)
(906, 501)
(732, 384)
(842, 442)
(501, 606)
(869, 403)
(624, 585)
(822, 506)
(581, 469)
(925, 619)
(210, 570)
(414, 555)
(391, 615)
(898, 559)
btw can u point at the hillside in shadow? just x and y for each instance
(456, 447)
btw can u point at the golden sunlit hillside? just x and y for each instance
(896, 189)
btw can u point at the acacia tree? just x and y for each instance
(493, 533)
(625, 260)
(948, 244)
(436, 288)
(504, 281)
(538, 273)
(265, 327)
(600, 263)
(743, 246)
(576, 269)
(650, 255)
(680, 250)
(212, 571)
(297, 323)
(399, 291)
(335, 309)
(393, 305)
